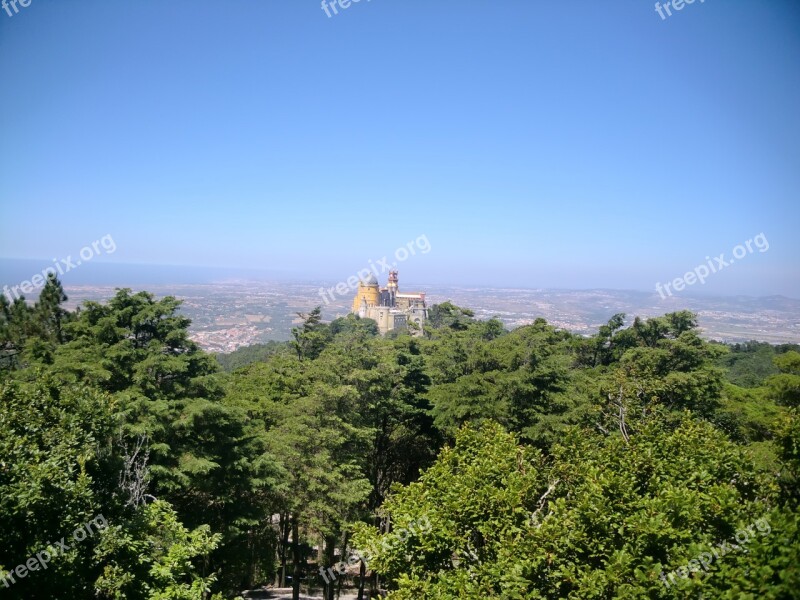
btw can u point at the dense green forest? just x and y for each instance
(470, 462)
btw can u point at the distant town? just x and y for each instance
(227, 316)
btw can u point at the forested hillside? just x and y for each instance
(472, 462)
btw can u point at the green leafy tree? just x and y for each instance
(312, 336)
(202, 454)
(788, 448)
(152, 556)
(601, 349)
(521, 379)
(60, 470)
(241, 357)
(748, 365)
(17, 326)
(785, 386)
(57, 472)
(604, 516)
(352, 324)
(448, 315)
(49, 312)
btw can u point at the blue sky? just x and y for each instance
(536, 144)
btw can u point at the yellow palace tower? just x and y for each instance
(368, 291)
(389, 308)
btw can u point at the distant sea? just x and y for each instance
(98, 273)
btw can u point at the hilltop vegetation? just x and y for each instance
(248, 354)
(544, 464)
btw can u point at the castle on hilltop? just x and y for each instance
(388, 307)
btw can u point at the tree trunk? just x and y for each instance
(338, 587)
(283, 529)
(330, 548)
(296, 571)
(362, 574)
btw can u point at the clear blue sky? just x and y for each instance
(536, 144)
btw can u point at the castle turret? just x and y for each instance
(368, 291)
(392, 288)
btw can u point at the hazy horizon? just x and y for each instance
(106, 274)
